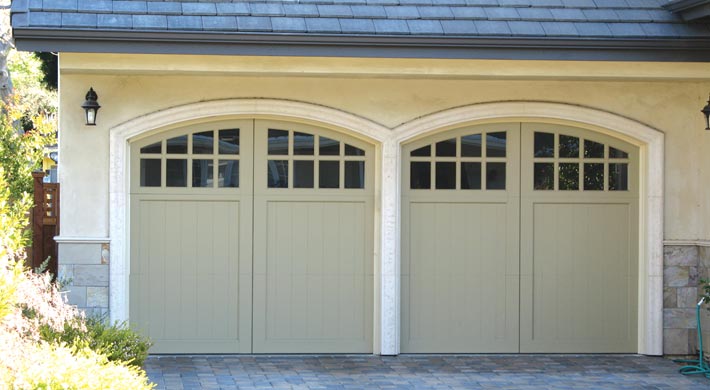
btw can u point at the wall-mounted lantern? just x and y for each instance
(706, 111)
(91, 107)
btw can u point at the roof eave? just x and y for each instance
(377, 46)
(689, 9)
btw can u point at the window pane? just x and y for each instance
(229, 173)
(424, 151)
(544, 176)
(420, 175)
(470, 175)
(353, 151)
(569, 146)
(616, 153)
(150, 172)
(593, 149)
(495, 176)
(445, 175)
(569, 177)
(203, 143)
(229, 141)
(152, 148)
(177, 145)
(495, 144)
(544, 145)
(303, 144)
(277, 172)
(303, 174)
(329, 174)
(446, 148)
(593, 177)
(618, 177)
(278, 142)
(176, 173)
(354, 174)
(471, 145)
(328, 147)
(202, 173)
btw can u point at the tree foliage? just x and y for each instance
(30, 93)
(21, 152)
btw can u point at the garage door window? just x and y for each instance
(304, 160)
(190, 160)
(568, 163)
(470, 162)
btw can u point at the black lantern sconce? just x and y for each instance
(91, 107)
(706, 111)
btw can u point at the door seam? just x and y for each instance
(253, 200)
(520, 228)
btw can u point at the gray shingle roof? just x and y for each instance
(582, 19)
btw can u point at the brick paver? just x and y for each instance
(419, 372)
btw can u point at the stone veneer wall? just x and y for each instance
(683, 268)
(85, 267)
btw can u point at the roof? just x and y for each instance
(628, 28)
(689, 9)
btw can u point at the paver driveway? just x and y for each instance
(419, 372)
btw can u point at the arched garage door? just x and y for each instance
(520, 238)
(252, 236)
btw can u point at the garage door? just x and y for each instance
(519, 238)
(252, 237)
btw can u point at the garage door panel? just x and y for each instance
(314, 289)
(583, 289)
(185, 286)
(458, 296)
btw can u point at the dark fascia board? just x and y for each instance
(689, 9)
(151, 42)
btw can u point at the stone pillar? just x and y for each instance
(680, 296)
(84, 267)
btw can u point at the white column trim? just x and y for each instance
(651, 143)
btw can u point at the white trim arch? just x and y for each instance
(119, 224)
(651, 144)
(388, 141)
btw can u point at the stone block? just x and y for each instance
(704, 256)
(693, 278)
(676, 276)
(76, 295)
(680, 255)
(679, 319)
(97, 297)
(91, 275)
(94, 312)
(79, 253)
(692, 341)
(670, 298)
(105, 253)
(687, 297)
(65, 273)
(675, 341)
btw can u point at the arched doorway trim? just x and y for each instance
(650, 142)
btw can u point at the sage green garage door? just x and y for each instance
(519, 238)
(252, 236)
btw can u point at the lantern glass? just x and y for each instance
(91, 116)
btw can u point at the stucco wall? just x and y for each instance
(385, 93)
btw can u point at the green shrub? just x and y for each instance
(51, 366)
(118, 342)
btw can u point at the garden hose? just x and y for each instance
(699, 366)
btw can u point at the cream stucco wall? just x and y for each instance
(667, 97)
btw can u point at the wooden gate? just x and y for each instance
(45, 224)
